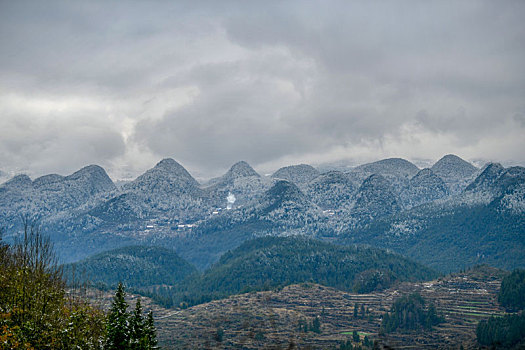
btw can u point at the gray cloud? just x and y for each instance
(125, 83)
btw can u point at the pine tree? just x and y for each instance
(355, 337)
(137, 327)
(150, 333)
(316, 325)
(118, 322)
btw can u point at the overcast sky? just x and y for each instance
(123, 84)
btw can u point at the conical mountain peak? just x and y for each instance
(241, 169)
(93, 178)
(168, 164)
(171, 168)
(167, 176)
(455, 172)
(374, 180)
(453, 163)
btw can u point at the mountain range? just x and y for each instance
(448, 216)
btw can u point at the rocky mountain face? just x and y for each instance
(283, 209)
(455, 172)
(512, 190)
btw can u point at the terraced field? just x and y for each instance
(271, 319)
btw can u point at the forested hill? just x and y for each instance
(451, 238)
(269, 262)
(135, 266)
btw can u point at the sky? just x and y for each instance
(123, 84)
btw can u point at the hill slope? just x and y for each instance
(276, 316)
(268, 262)
(135, 266)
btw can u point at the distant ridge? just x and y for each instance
(299, 174)
(389, 166)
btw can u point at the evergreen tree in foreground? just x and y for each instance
(118, 322)
(150, 333)
(136, 325)
(127, 330)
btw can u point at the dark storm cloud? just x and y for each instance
(210, 83)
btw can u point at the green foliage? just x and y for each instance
(259, 336)
(489, 235)
(355, 337)
(118, 331)
(150, 333)
(302, 326)
(409, 313)
(366, 341)
(35, 311)
(371, 280)
(512, 292)
(138, 267)
(269, 262)
(316, 325)
(219, 334)
(346, 345)
(502, 332)
(137, 324)
(129, 331)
